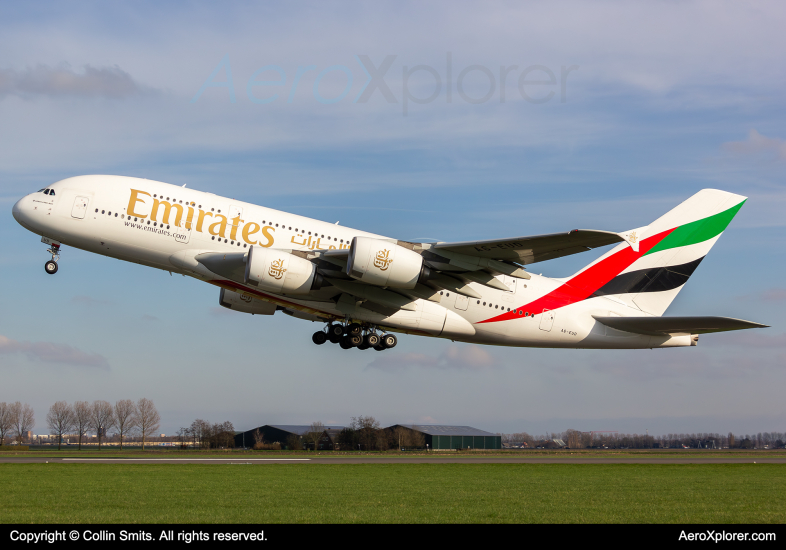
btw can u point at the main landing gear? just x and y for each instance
(51, 265)
(354, 335)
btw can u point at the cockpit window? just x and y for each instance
(46, 191)
(52, 192)
(40, 190)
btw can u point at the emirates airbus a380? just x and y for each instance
(363, 286)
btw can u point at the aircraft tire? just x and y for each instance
(345, 343)
(335, 331)
(371, 340)
(319, 338)
(51, 267)
(355, 339)
(363, 346)
(389, 341)
(354, 329)
(379, 348)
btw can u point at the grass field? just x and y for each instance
(401, 493)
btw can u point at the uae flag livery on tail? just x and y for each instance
(650, 269)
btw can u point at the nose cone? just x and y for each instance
(17, 211)
(21, 212)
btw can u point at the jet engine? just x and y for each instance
(280, 272)
(384, 263)
(245, 303)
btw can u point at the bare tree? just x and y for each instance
(383, 440)
(6, 421)
(366, 428)
(314, 434)
(294, 442)
(81, 419)
(223, 436)
(61, 420)
(23, 420)
(201, 431)
(149, 419)
(102, 417)
(259, 439)
(125, 418)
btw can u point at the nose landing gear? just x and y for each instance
(51, 265)
(352, 335)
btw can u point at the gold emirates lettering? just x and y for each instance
(138, 207)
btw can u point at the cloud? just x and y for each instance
(472, 358)
(62, 81)
(769, 295)
(50, 352)
(757, 145)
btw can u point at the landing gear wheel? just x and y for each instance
(363, 345)
(371, 340)
(354, 329)
(389, 341)
(335, 331)
(345, 343)
(51, 267)
(354, 339)
(319, 338)
(379, 348)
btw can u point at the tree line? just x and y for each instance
(363, 433)
(125, 416)
(204, 435)
(575, 439)
(16, 419)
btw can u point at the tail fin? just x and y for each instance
(669, 250)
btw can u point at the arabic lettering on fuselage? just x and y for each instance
(220, 223)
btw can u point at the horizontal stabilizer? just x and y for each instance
(676, 325)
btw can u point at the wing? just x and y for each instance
(529, 250)
(676, 325)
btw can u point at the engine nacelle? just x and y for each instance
(245, 303)
(383, 263)
(280, 272)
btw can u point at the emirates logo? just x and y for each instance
(277, 269)
(382, 260)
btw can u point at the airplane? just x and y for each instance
(366, 287)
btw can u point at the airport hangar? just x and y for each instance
(437, 437)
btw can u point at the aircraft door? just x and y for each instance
(181, 234)
(80, 207)
(547, 320)
(461, 302)
(510, 282)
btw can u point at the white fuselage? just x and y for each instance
(114, 216)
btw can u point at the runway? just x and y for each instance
(687, 458)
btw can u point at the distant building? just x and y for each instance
(454, 437)
(279, 433)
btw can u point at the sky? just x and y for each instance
(445, 120)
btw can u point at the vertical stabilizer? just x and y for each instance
(670, 250)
